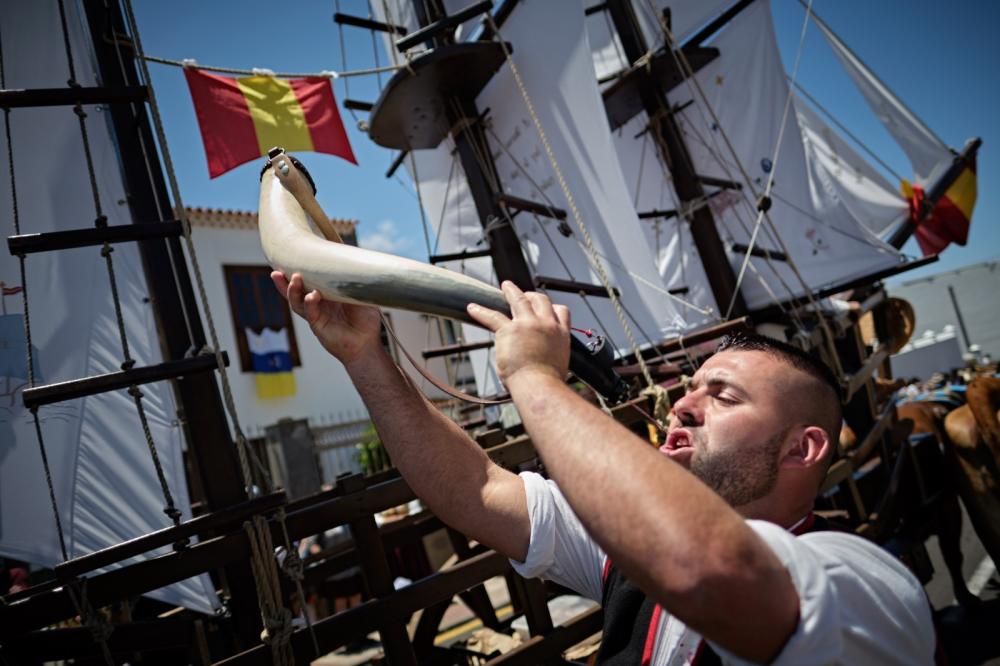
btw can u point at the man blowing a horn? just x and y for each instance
(693, 550)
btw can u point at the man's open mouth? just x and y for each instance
(676, 440)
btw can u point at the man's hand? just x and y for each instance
(536, 339)
(346, 331)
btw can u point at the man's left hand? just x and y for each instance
(534, 339)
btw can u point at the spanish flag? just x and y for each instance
(242, 118)
(948, 222)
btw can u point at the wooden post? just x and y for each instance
(378, 579)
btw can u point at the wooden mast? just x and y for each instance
(674, 153)
(477, 162)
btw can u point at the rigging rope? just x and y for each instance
(343, 65)
(27, 318)
(681, 62)
(102, 221)
(444, 204)
(277, 619)
(424, 226)
(325, 74)
(764, 203)
(95, 621)
(540, 224)
(739, 217)
(163, 210)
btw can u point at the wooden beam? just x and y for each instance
(71, 96)
(345, 627)
(863, 450)
(224, 519)
(428, 32)
(88, 237)
(858, 379)
(142, 636)
(368, 24)
(453, 350)
(572, 287)
(113, 381)
(517, 203)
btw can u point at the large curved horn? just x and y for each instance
(294, 244)
(355, 275)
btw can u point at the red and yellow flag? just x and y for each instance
(242, 118)
(949, 221)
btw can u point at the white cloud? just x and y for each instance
(384, 238)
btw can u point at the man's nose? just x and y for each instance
(688, 409)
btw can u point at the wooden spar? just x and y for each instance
(772, 310)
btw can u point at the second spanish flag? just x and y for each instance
(242, 118)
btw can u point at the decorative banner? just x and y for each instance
(271, 356)
(242, 118)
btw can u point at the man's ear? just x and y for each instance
(810, 447)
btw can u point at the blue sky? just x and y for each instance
(940, 58)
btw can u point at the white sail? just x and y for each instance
(928, 154)
(570, 111)
(669, 237)
(102, 474)
(844, 178)
(747, 89)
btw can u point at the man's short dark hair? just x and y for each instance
(828, 413)
(793, 356)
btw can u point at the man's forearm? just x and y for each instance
(661, 526)
(443, 465)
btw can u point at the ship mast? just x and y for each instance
(474, 152)
(673, 151)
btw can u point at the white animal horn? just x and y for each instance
(350, 274)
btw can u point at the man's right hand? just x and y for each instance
(346, 331)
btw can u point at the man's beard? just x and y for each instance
(740, 475)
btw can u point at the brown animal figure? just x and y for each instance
(974, 432)
(928, 418)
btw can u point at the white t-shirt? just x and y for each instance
(858, 604)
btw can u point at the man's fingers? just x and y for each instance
(520, 306)
(295, 292)
(311, 305)
(280, 283)
(488, 319)
(562, 316)
(541, 305)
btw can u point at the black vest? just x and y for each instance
(631, 619)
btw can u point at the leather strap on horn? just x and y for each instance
(438, 384)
